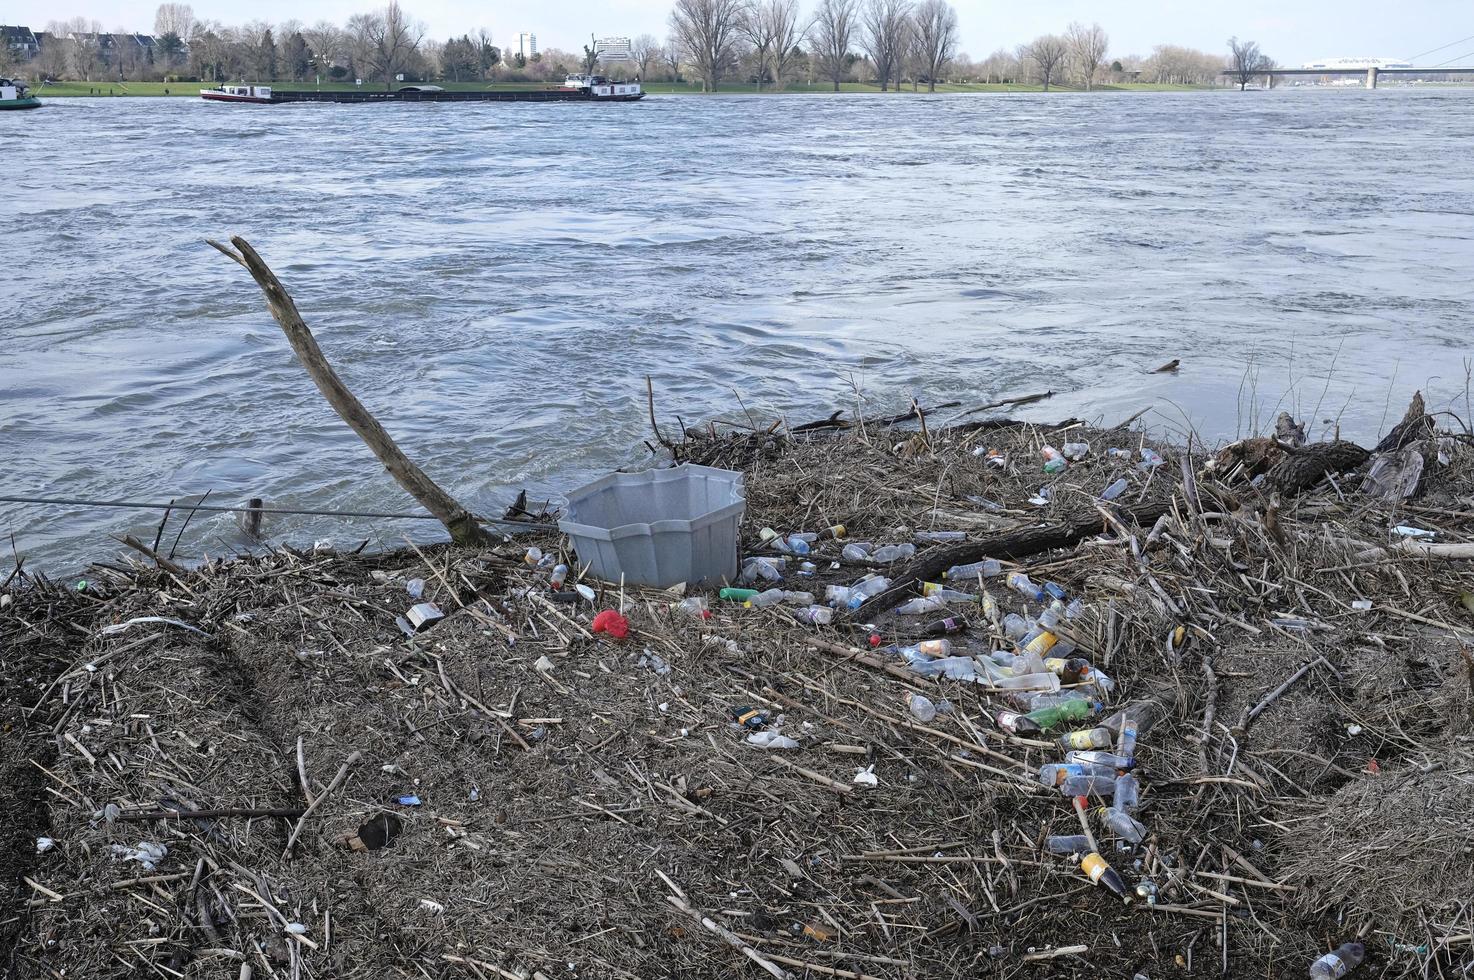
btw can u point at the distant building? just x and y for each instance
(527, 45)
(1355, 64)
(613, 49)
(20, 41)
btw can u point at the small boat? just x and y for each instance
(256, 94)
(15, 95)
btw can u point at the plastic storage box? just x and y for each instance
(659, 527)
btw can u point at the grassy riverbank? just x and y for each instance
(192, 89)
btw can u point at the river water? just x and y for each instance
(496, 281)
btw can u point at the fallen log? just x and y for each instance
(1013, 545)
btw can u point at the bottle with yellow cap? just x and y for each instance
(1100, 873)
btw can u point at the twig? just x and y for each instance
(342, 772)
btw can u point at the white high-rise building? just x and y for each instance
(613, 49)
(527, 45)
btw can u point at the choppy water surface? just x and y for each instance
(497, 280)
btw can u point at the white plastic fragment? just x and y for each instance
(120, 627)
(866, 776)
(296, 928)
(44, 844)
(146, 852)
(771, 740)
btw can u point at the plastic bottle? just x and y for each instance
(944, 627)
(737, 595)
(987, 568)
(921, 707)
(797, 544)
(1127, 792)
(1101, 873)
(1042, 681)
(954, 668)
(1088, 738)
(835, 531)
(1114, 490)
(1141, 715)
(1149, 459)
(1054, 774)
(764, 569)
(1106, 760)
(990, 606)
(1126, 743)
(1071, 670)
(1015, 627)
(807, 537)
(806, 569)
(1019, 582)
(1039, 645)
(560, 575)
(1122, 824)
(772, 539)
(1338, 963)
(1087, 785)
(1016, 723)
(769, 598)
(1118, 453)
(1055, 590)
(932, 648)
(1054, 461)
(1075, 609)
(920, 606)
(814, 615)
(893, 552)
(857, 551)
(941, 535)
(533, 556)
(1072, 709)
(1075, 450)
(693, 606)
(937, 590)
(1067, 844)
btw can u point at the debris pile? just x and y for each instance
(977, 705)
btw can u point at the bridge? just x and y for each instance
(1371, 74)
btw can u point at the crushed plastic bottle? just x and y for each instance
(1067, 844)
(771, 740)
(693, 606)
(893, 552)
(1140, 715)
(1087, 738)
(1150, 460)
(415, 587)
(1073, 451)
(920, 606)
(1127, 792)
(987, 568)
(761, 569)
(797, 544)
(814, 615)
(1123, 824)
(1042, 681)
(1015, 627)
(1115, 490)
(864, 589)
(1019, 582)
(922, 708)
(1126, 743)
(952, 668)
(1107, 760)
(857, 551)
(1054, 461)
(1339, 962)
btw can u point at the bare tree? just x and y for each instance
(755, 27)
(646, 52)
(936, 38)
(788, 37)
(670, 55)
(707, 31)
(1087, 50)
(328, 44)
(886, 27)
(389, 41)
(174, 18)
(1047, 55)
(835, 22)
(1245, 60)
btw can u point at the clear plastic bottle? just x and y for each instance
(1044, 681)
(1127, 792)
(1126, 743)
(772, 539)
(936, 590)
(693, 606)
(1338, 963)
(1075, 609)
(533, 556)
(921, 707)
(1140, 715)
(1054, 460)
(769, 598)
(1067, 844)
(837, 595)
(762, 569)
(893, 552)
(920, 606)
(990, 606)
(1106, 760)
(814, 615)
(1149, 459)
(1015, 627)
(797, 544)
(1054, 774)
(1089, 738)
(807, 537)
(559, 576)
(987, 568)
(1087, 785)
(941, 536)
(933, 648)
(1075, 450)
(857, 551)
(955, 668)
(1114, 490)
(1019, 582)
(1122, 824)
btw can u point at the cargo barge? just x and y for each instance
(575, 88)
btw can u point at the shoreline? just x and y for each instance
(522, 761)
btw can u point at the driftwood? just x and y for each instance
(1300, 469)
(457, 520)
(929, 566)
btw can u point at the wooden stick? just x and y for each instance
(302, 822)
(678, 899)
(143, 549)
(457, 520)
(210, 814)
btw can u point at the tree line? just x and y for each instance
(761, 43)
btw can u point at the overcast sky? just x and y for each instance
(1290, 31)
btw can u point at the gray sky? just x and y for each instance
(1290, 31)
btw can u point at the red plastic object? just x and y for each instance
(875, 639)
(612, 623)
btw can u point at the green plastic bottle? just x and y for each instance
(1065, 711)
(737, 595)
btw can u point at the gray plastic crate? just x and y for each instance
(659, 527)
